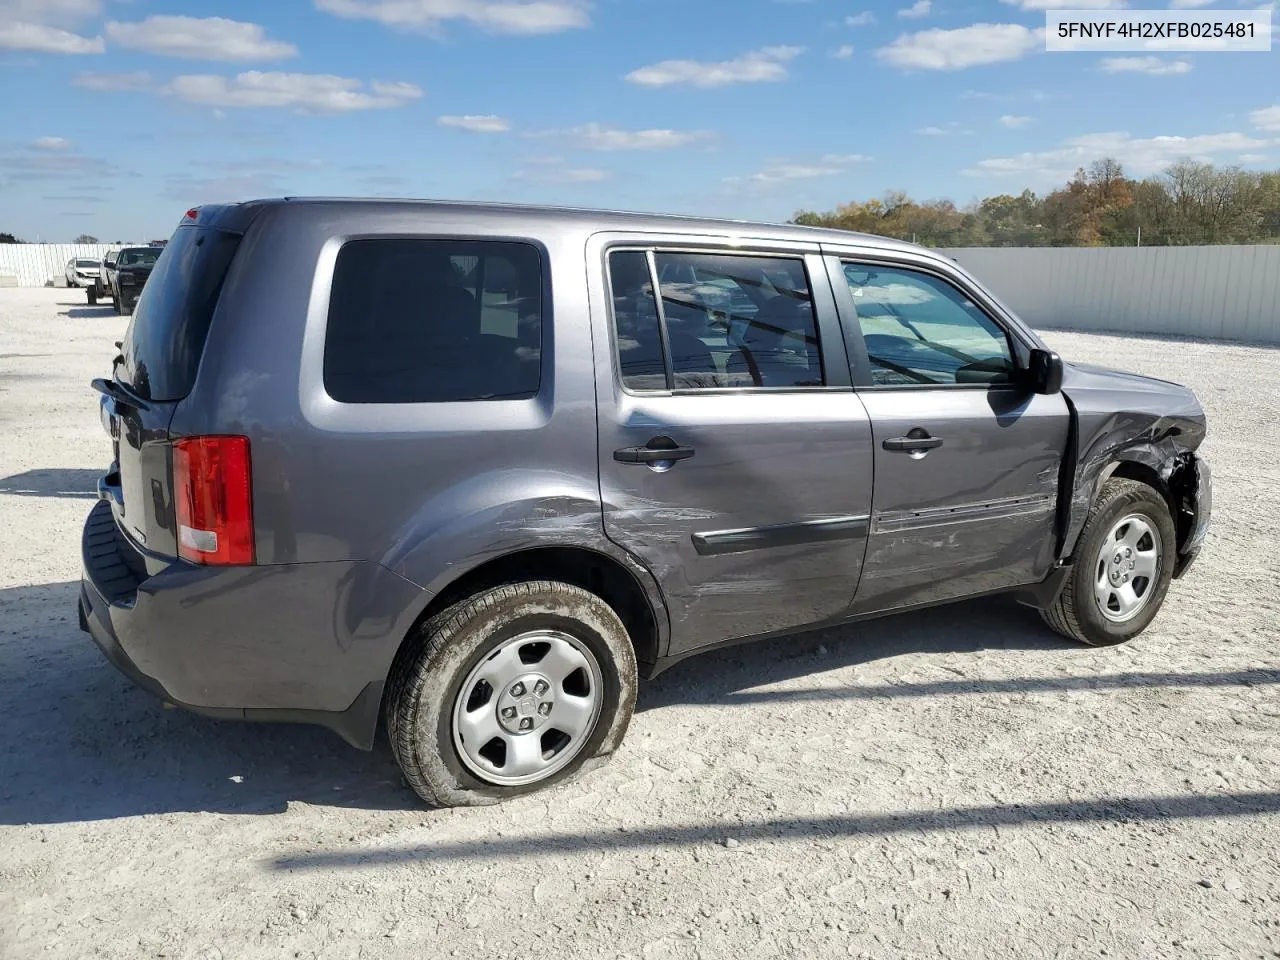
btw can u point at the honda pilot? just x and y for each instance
(579, 448)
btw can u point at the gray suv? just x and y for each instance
(580, 447)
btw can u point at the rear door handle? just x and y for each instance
(917, 441)
(657, 450)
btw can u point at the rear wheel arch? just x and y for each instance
(596, 572)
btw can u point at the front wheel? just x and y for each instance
(1124, 563)
(510, 691)
(115, 303)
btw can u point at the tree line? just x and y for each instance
(1189, 203)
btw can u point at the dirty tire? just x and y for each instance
(1075, 614)
(436, 660)
(92, 294)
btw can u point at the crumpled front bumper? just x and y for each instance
(1201, 502)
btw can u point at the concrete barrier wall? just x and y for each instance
(1225, 292)
(35, 264)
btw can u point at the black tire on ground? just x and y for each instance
(1076, 613)
(436, 660)
(115, 303)
(92, 294)
(128, 307)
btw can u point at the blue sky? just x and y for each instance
(117, 115)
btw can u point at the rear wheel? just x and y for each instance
(92, 294)
(1124, 563)
(513, 690)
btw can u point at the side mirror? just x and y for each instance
(1044, 372)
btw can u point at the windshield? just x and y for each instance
(131, 258)
(86, 263)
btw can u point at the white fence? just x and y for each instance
(36, 264)
(1226, 292)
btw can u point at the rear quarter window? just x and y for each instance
(165, 340)
(431, 321)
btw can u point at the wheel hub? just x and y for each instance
(1121, 567)
(526, 703)
(1128, 567)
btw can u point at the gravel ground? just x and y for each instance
(954, 783)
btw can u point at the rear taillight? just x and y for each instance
(214, 498)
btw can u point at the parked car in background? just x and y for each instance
(102, 288)
(83, 272)
(579, 447)
(127, 275)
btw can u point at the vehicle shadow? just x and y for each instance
(83, 310)
(84, 744)
(721, 676)
(76, 484)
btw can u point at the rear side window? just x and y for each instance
(431, 321)
(720, 320)
(166, 337)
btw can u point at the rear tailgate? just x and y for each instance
(156, 369)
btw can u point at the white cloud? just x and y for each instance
(596, 136)
(964, 47)
(1139, 156)
(1037, 95)
(1254, 158)
(1013, 122)
(917, 10)
(551, 170)
(843, 52)
(501, 16)
(194, 38)
(55, 144)
(781, 171)
(765, 65)
(306, 92)
(476, 123)
(61, 12)
(1068, 4)
(40, 38)
(863, 19)
(1268, 118)
(951, 129)
(1149, 65)
(1190, 4)
(114, 82)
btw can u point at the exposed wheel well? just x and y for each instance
(596, 572)
(1142, 473)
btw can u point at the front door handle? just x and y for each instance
(917, 441)
(657, 450)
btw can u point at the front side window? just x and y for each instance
(729, 321)
(919, 329)
(429, 321)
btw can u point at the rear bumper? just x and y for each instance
(305, 643)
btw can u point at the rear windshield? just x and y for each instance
(86, 263)
(163, 344)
